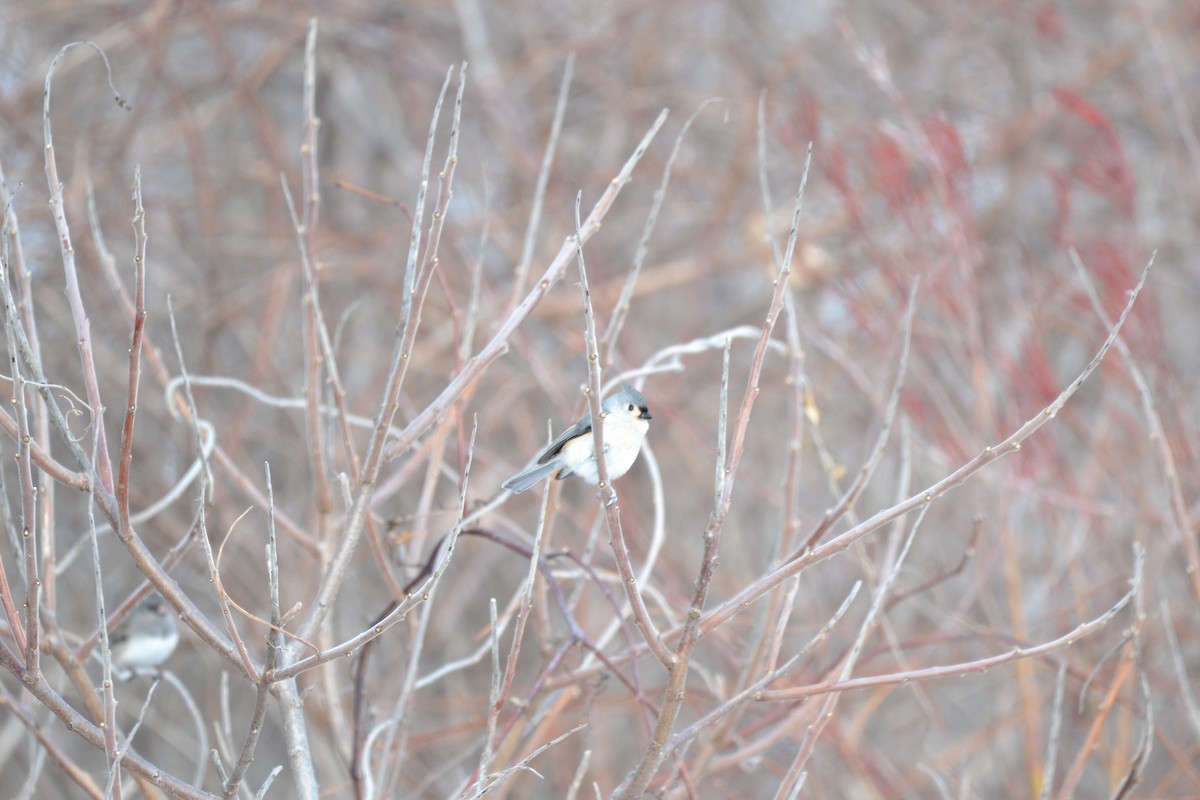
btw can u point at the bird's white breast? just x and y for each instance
(623, 436)
(145, 651)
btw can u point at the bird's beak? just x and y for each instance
(645, 414)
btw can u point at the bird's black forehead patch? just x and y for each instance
(156, 604)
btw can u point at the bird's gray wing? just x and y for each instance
(579, 428)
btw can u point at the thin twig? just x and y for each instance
(112, 787)
(272, 401)
(945, 574)
(1158, 435)
(318, 354)
(396, 721)
(1179, 109)
(1137, 764)
(1090, 741)
(6, 598)
(236, 775)
(795, 773)
(581, 770)
(543, 178)
(125, 458)
(493, 715)
(274, 645)
(29, 636)
(523, 764)
(74, 297)
(526, 604)
(233, 648)
(1181, 667)
(20, 325)
(1052, 739)
(114, 777)
(621, 310)
(846, 502)
(262, 790)
(198, 721)
(965, 667)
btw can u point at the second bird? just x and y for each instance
(145, 639)
(626, 420)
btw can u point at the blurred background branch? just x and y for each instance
(1022, 161)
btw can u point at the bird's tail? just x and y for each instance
(523, 480)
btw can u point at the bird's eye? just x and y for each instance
(631, 406)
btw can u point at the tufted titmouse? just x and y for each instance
(144, 639)
(626, 420)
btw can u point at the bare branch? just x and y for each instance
(543, 178)
(967, 667)
(74, 297)
(612, 509)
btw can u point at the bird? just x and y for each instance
(573, 452)
(144, 639)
